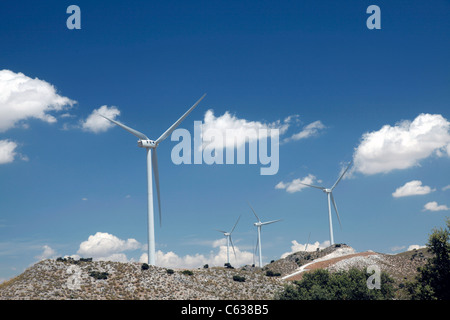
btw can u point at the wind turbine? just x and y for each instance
(228, 236)
(259, 224)
(152, 163)
(329, 192)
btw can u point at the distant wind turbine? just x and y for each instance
(330, 197)
(152, 163)
(259, 224)
(228, 236)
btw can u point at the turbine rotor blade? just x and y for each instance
(235, 224)
(335, 208)
(335, 184)
(138, 134)
(310, 185)
(269, 222)
(254, 212)
(156, 173)
(257, 245)
(231, 241)
(307, 242)
(175, 125)
(220, 231)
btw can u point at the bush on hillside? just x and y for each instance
(344, 285)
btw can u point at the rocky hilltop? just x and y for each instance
(64, 279)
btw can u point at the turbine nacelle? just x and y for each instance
(327, 190)
(147, 143)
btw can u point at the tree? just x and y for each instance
(433, 280)
(344, 285)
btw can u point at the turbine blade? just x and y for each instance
(231, 241)
(253, 212)
(335, 208)
(235, 224)
(269, 222)
(257, 245)
(138, 134)
(220, 230)
(335, 184)
(156, 173)
(307, 242)
(310, 185)
(175, 125)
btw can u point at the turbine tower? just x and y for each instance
(258, 225)
(152, 166)
(228, 236)
(329, 192)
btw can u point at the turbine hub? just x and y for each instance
(147, 144)
(327, 190)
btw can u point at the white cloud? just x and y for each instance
(397, 248)
(296, 247)
(310, 130)
(296, 184)
(22, 98)
(105, 246)
(433, 206)
(214, 258)
(95, 123)
(7, 151)
(48, 253)
(446, 188)
(236, 132)
(414, 246)
(403, 145)
(412, 188)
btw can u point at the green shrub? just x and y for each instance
(145, 266)
(187, 272)
(170, 271)
(433, 279)
(344, 285)
(99, 275)
(238, 278)
(270, 273)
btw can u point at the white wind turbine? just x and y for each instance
(152, 163)
(329, 192)
(228, 236)
(259, 224)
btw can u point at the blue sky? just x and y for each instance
(336, 90)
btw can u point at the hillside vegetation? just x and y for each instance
(100, 280)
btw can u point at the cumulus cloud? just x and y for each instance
(96, 124)
(105, 246)
(414, 246)
(213, 258)
(47, 253)
(296, 184)
(446, 188)
(403, 145)
(22, 97)
(296, 247)
(7, 151)
(433, 206)
(236, 131)
(412, 188)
